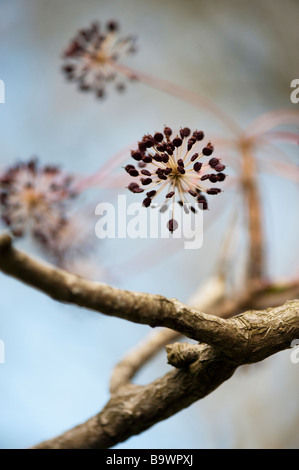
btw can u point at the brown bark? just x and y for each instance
(199, 369)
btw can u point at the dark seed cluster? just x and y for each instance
(33, 198)
(92, 55)
(173, 164)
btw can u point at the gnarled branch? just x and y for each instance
(246, 338)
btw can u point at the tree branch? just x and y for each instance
(246, 338)
(153, 310)
(133, 409)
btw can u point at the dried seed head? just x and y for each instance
(34, 199)
(92, 55)
(171, 167)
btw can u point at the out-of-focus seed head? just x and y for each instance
(91, 59)
(33, 199)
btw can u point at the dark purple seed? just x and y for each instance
(146, 181)
(158, 137)
(197, 166)
(213, 162)
(167, 171)
(165, 158)
(151, 193)
(172, 225)
(180, 162)
(213, 191)
(208, 150)
(199, 135)
(142, 146)
(158, 158)
(177, 142)
(181, 203)
(194, 157)
(134, 172)
(161, 176)
(133, 186)
(136, 155)
(149, 142)
(147, 159)
(138, 190)
(190, 144)
(221, 176)
(146, 172)
(141, 164)
(181, 170)
(128, 168)
(185, 132)
(202, 200)
(219, 167)
(193, 210)
(147, 202)
(112, 26)
(205, 177)
(3, 198)
(167, 131)
(213, 178)
(169, 195)
(161, 148)
(68, 68)
(193, 193)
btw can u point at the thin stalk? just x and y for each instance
(182, 93)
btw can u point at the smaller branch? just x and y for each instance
(180, 355)
(127, 368)
(207, 298)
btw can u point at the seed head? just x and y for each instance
(172, 164)
(92, 56)
(33, 199)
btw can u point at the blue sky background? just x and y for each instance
(242, 55)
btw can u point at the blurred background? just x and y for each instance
(243, 56)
